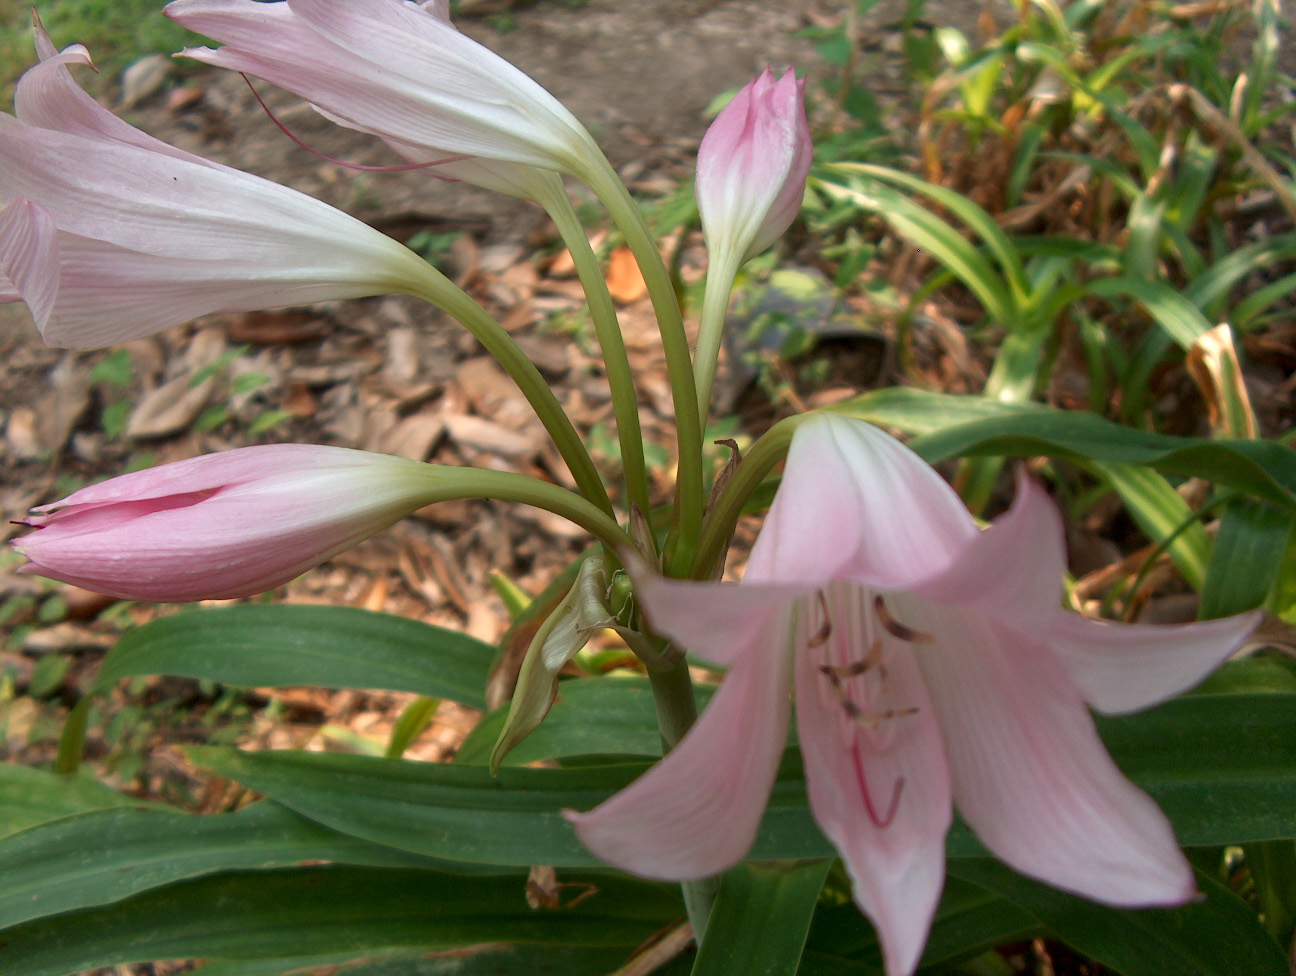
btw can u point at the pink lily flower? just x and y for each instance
(109, 234)
(933, 667)
(752, 166)
(222, 525)
(403, 72)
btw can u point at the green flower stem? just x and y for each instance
(625, 403)
(689, 494)
(451, 482)
(760, 459)
(445, 294)
(715, 306)
(676, 712)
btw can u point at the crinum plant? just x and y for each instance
(935, 663)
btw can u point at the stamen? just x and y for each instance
(895, 628)
(820, 637)
(853, 670)
(364, 167)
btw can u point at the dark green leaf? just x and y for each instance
(484, 960)
(968, 920)
(103, 856)
(1216, 936)
(265, 646)
(1262, 468)
(32, 796)
(462, 813)
(612, 716)
(1222, 766)
(1248, 553)
(761, 916)
(323, 911)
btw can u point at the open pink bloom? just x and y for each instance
(400, 71)
(933, 666)
(109, 234)
(752, 166)
(222, 525)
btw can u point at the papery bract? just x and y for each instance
(933, 665)
(752, 166)
(403, 72)
(222, 525)
(109, 234)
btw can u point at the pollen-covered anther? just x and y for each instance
(896, 629)
(820, 637)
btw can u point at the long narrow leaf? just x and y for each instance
(258, 645)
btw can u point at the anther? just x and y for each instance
(895, 628)
(820, 637)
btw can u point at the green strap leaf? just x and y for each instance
(612, 716)
(333, 910)
(968, 919)
(462, 813)
(485, 960)
(1247, 557)
(1216, 936)
(1222, 766)
(102, 856)
(284, 645)
(29, 797)
(1264, 469)
(760, 920)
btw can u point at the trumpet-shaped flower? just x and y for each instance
(752, 166)
(222, 525)
(109, 234)
(933, 667)
(400, 71)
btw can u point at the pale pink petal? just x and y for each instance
(1031, 776)
(1124, 667)
(857, 504)
(47, 97)
(696, 812)
(108, 294)
(717, 621)
(393, 70)
(29, 256)
(877, 780)
(1012, 570)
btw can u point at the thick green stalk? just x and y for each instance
(625, 403)
(715, 307)
(508, 486)
(676, 712)
(689, 494)
(760, 459)
(445, 294)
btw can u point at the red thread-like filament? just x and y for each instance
(342, 162)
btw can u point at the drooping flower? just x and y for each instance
(109, 234)
(933, 666)
(403, 72)
(223, 525)
(752, 166)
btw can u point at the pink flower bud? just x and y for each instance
(752, 166)
(222, 525)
